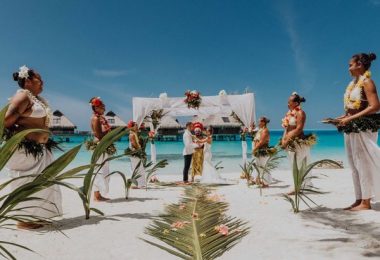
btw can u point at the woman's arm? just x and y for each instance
(17, 107)
(300, 124)
(97, 127)
(263, 139)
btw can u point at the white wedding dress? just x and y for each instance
(209, 173)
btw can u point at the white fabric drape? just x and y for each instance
(22, 165)
(243, 105)
(102, 180)
(364, 160)
(153, 154)
(244, 151)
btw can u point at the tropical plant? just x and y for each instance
(150, 170)
(197, 227)
(247, 170)
(155, 117)
(219, 166)
(270, 165)
(95, 167)
(300, 177)
(10, 209)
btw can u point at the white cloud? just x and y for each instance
(113, 73)
(78, 111)
(302, 61)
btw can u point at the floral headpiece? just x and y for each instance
(198, 125)
(131, 124)
(96, 102)
(23, 72)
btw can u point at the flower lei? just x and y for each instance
(103, 121)
(355, 101)
(290, 114)
(193, 99)
(42, 102)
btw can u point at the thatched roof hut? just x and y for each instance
(169, 126)
(221, 124)
(60, 124)
(114, 120)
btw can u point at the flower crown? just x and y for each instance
(197, 125)
(23, 72)
(96, 102)
(131, 124)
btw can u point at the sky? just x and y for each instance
(121, 49)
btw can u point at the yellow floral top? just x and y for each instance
(354, 94)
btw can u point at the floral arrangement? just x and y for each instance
(265, 151)
(308, 140)
(155, 117)
(193, 99)
(152, 136)
(243, 133)
(354, 92)
(91, 145)
(362, 124)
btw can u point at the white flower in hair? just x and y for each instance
(23, 72)
(294, 93)
(222, 93)
(194, 92)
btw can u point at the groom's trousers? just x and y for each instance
(187, 166)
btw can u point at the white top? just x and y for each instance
(188, 142)
(37, 111)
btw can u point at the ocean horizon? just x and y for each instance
(330, 145)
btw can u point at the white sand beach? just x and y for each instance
(276, 232)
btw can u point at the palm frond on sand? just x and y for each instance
(197, 227)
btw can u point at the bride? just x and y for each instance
(209, 173)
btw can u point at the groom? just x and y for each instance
(188, 150)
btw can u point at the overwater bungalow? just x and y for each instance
(61, 125)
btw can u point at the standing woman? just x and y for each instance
(100, 128)
(134, 145)
(294, 140)
(262, 151)
(28, 110)
(363, 153)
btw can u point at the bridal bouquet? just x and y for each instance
(193, 99)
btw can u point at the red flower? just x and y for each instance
(131, 124)
(96, 102)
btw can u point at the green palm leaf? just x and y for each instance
(198, 237)
(300, 176)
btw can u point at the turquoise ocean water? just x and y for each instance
(330, 145)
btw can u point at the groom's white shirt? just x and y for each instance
(188, 142)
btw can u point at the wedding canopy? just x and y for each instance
(242, 105)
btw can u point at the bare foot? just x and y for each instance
(364, 205)
(360, 207)
(355, 204)
(28, 225)
(99, 197)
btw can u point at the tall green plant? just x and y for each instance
(300, 177)
(270, 165)
(10, 209)
(89, 178)
(247, 170)
(197, 227)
